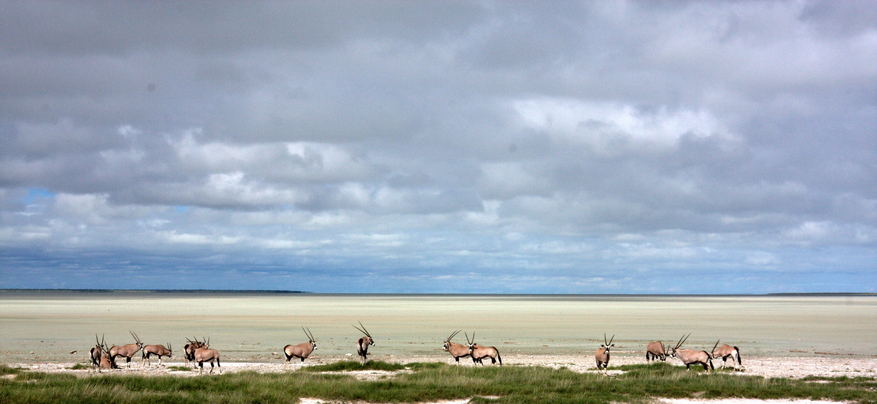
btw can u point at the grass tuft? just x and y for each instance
(347, 366)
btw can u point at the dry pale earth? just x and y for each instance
(789, 367)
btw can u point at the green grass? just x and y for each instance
(427, 382)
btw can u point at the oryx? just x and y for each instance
(127, 351)
(302, 350)
(655, 350)
(690, 357)
(157, 350)
(106, 361)
(363, 343)
(725, 351)
(205, 354)
(95, 353)
(189, 349)
(479, 352)
(602, 354)
(456, 350)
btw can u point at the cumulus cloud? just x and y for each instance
(418, 147)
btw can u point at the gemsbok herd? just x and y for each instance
(198, 351)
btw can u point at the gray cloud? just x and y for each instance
(595, 147)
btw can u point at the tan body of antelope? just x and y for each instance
(205, 354)
(691, 357)
(363, 343)
(655, 350)
(456, 350)
(126, 351)
(601, 355)
(106, 361)
(189, 349)
(302, 350)
(479, 352)
(157, 350)
(726, 351)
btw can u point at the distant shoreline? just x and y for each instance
(281, 292)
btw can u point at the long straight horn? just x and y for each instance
(453, 334)
(135, 336)
(714, 347)
(96, 339)
(364, 330)
(311, 335)
(467, 338)
(610, 339)
(681, 340)
(604, 339)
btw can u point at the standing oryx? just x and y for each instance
(456, 350)
(127, 351)
(157, 350)
(690, 357)
(479, 352)
(602, 354)
(725, 351)
(189, 349)
(363, 342)
(96, 353)
(205, 354)
(655, 350)
(302, 350)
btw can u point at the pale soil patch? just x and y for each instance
(790, 367)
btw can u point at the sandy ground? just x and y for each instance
(791, 367)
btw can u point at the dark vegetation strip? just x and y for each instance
(426, 382)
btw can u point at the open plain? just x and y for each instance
(778, 336)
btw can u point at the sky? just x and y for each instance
(631, 147)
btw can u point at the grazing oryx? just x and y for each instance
(725, 351)
(690, 357)
(655, 350)
(205, 354)
(479, 352)
(127, 351)
(189, 349)
(157, 350)
(96, 353)
(602, 354)
(302, 350)
(456, 350)
(363, 342)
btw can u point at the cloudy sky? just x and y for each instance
(439, 146)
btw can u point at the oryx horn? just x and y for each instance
(610, 339)
(362, 330)
(682, 341)
(453, 334)
(308, 334)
